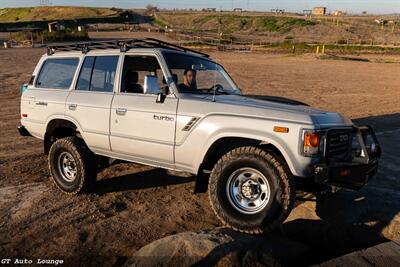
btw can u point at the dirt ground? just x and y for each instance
(134, 205)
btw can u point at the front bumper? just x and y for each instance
(356, 173)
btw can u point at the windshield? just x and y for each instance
(199, 76)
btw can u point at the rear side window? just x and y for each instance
(98, 74)
(57, 73)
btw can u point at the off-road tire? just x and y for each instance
(281, 184)
(85, 165)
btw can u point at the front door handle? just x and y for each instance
(121, 111)
(72, 106)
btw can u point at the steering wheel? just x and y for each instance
(217, 87)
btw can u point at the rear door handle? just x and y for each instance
(72, 106)
(121, 111)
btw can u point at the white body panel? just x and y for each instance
(136, 133)
(91, 111)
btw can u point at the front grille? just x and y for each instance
(339, 144)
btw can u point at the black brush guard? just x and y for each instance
(353, 173)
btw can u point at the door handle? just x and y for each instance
(72, 106)
(121, 111)
(41, 103)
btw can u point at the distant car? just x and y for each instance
(130, 100)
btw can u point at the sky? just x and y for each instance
(351, 6)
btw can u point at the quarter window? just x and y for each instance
(57, 73)
(98, 74)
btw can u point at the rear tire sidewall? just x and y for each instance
(54, 154)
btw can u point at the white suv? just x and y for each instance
(159, 104)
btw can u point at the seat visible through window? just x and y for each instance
(131, 82)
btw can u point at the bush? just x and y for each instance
(65, 36)
(282, 24)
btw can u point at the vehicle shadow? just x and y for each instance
(141, 180)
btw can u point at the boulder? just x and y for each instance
(385, 254)
(220, 247)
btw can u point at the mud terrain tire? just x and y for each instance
(234, 180)
(72, 165)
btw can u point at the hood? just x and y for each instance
(281, 105)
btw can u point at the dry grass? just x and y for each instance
(51, 13)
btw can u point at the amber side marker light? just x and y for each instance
(279, 129)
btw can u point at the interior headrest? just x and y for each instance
(132, 76)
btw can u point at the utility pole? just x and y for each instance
(248, 5)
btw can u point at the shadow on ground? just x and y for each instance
(141, 180)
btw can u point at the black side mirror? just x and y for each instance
(161, 97)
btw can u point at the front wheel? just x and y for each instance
(250, 190)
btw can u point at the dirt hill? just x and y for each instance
(267, 27)
(52, 13)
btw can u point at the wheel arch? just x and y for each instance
(59, 128)
(223, 144)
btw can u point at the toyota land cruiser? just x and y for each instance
(159, 104)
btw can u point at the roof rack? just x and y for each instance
(123, 45)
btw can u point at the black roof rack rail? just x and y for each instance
(123, 45)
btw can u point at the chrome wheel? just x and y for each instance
(67, 166)
(248, 190)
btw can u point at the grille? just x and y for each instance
(339, 144)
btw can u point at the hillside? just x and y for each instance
(267, 27)
(52, 13)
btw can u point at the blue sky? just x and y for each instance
(352, 6)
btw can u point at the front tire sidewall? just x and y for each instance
(267, 218)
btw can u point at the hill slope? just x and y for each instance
(52, 13)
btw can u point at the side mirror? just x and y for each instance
(151, 85)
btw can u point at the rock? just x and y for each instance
(221, 247)
(385, 254)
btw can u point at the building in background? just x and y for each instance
(338, 13)
(319, 11)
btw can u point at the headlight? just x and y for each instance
(312, 143)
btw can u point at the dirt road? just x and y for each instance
(134, 205)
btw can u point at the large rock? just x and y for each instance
(385, 254)
(220, 247)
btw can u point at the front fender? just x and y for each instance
(212, 128)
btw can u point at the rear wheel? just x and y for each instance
(250, 190)
(72, 165)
